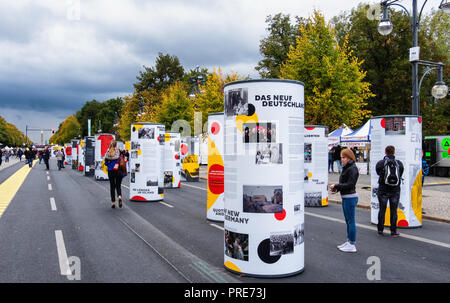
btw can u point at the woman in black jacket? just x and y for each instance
(347, 188)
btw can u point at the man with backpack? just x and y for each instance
(390, 171)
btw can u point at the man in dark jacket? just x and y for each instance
(388, 192)
(29, 157)
(46, 157)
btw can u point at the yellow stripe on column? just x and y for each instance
(9, 188)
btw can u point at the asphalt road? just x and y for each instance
(44, 229)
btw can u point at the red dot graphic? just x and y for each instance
(280, 216)
(215, 128)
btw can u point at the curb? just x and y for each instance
(443, 220)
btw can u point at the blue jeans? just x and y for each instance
(349, 207)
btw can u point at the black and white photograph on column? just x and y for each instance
(133, 154)
(299, 234)
(308, 152)
(168, 177)
(259, 133)
(262, 199)
(236, 245)
(135, 145)
(269, 154)
(146, 133)
(281, 243)
(313, 199)
(236, 102)
(152, 181)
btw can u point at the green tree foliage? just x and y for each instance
(10, 135)
(175, 105)
(129, 112)
(167, 71)
(275, 47)
(106, 113)
(335, 92)
(68, 130)
(385, 58)
(211, 98)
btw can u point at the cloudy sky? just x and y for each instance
(57, 54)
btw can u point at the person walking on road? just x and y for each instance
(331, 160)
(63, 157)
(1, 155)
(337, 157)
(46, 157)
(29, 157)
(347, 188)
(59, 158)
(112, 161)
(390, 173)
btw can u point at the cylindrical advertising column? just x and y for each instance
(264, 186)
(404, 132)
(102, 142)
(147, 161)
(68, 154)
(89, 156)
(74, 154)
(214, 205)
(172, 160)
(81, 152)
(316, 166)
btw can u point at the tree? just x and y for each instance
(275, 47)
(211, 98)
(107, 113)
(335, 92)
(129, 112)
(10, 135)
(69, 129)
(175, 105)
(166, 72)
(385, 58)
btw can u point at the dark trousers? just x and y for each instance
(59, 164)
(115, 184)
(383, 199)
(46, 164)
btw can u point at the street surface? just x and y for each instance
(62, 219)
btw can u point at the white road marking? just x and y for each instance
(125, 186)
(50, 187)
(48, 178)
(168, 205)
(188, 185)
(62, 254)
(217, 226)
(53, 204)
(446, 245)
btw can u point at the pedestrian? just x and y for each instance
(63, 157)
(390, 173)
(59, 158)
(46, 157)
(40, 155)
(337, 157)
(7, 155)
(1, 156)
(347, 188)
(19, 154)
(331, 160)
(425, 168)
(112, 161)
(29, 157)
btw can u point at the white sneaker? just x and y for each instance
(348, 248)
(342, 245)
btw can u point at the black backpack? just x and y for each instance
(391, 172)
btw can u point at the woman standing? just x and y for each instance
(347, 188)
(112, 160)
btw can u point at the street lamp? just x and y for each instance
(445, 6)
(439, 90)
(385, 28)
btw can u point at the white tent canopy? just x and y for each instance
(360, 135)
(335, 136)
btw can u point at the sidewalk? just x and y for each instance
(12, 161)
(435, 203)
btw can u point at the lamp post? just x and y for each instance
(385, 27)
(195, 82)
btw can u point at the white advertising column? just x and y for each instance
(81, 151)
(102, 142)
(264, 186)
(316, 166)
(404, 132)
(74, 153)
(214, 205)
(172, 160)
(147, 161)
(68, 154)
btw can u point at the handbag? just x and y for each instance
(123, 166)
